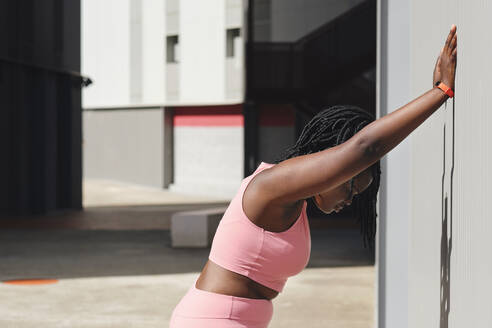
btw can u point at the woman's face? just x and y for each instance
(341, 196)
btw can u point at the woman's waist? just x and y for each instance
(217, 279)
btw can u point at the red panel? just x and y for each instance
(231, 115)
(228, 115)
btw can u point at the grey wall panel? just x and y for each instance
(124, 145)
(234, 76)
(450, 246)
(208, 160)
(394, 202)
(172, 81)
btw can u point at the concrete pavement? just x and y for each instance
(115, 268)
(134, 279)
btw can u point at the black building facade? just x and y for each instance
(40, 107)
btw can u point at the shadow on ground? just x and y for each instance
(62, 254)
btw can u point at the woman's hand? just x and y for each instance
(445, 69)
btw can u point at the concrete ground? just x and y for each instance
(123, 275)
(99, 193)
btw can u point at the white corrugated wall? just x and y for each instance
(450, 237)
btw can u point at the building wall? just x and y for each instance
(202, 51)
(201, 72)
(450, 244)
(208, 152)
(106, 52)
(153, 44)
(124, 145)
(124, 52)
(234, 69)
(445, 242)
(393, 91)
(289, 20)
(40, 120)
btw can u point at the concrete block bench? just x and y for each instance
(195, 228)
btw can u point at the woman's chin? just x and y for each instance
(326, 211)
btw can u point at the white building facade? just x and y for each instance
(166, 105)
(167, 93)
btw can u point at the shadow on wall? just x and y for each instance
(446, 241)
(446, 247)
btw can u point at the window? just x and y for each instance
(232, 38)
(172, 49)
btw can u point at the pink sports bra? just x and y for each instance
(264, 256)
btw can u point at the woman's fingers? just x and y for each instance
(452, 45)
(450, 36)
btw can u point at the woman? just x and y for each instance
(264, 238)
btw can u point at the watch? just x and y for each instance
(447, 90)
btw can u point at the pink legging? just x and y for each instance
(203, 309)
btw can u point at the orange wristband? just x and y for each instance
(447, 90)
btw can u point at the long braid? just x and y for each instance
(329, 128)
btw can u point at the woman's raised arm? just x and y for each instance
(388, 131)
(307, 175)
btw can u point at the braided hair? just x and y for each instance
(329, 128)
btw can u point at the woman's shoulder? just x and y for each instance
(258, 204)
